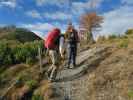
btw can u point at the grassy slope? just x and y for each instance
(112, 80)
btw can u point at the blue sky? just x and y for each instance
(42, 15)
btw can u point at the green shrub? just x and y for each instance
(101, 38)
(19, 80)
(130, 31)
(2, 69)
(5, 53)
(123, 44)
(37, 97)
(11, 53)
(7, 60)
(112, 37)
(124, 37)
(27, 52)
(30, 61)
(130, 94)
(31, 83)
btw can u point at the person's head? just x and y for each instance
(57, 30)
(70, 27)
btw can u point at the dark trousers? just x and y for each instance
(72, 53)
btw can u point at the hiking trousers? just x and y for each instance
(72, 53)
(53, 68)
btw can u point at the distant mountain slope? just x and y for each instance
(19, 34)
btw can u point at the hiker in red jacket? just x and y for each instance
(52, 44)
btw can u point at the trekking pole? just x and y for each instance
(46, 53)
(40, 60)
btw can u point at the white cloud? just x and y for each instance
(40, 2)
(81, 7)
(34, 14)
(117, 21)
(39, 28)
(129, 2)
(8, 3)
(61, 3)
(58, 16)
(58, 3)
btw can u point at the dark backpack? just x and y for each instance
(72, 38)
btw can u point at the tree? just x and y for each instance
(90, 22)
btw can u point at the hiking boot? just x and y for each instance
(68, 66)
(48, 77)
(51, 80)
(53, 75)
(47, 74)
(73, 66)
(65, 68)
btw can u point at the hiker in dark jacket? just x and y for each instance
(72, 39)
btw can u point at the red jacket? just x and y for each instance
(51, 38)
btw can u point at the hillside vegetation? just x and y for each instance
(109, 75)
(18, 45)
(18, 34)
(113, 78)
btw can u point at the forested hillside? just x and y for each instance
(19, 34)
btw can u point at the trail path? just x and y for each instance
(72, 84)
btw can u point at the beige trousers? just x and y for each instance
(53, 68)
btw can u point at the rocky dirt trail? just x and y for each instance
(73, 84)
